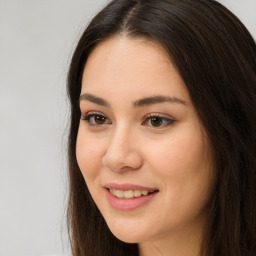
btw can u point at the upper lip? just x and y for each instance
(127, 186)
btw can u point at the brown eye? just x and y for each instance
(156, 121)
(96, 119)
(99, 119)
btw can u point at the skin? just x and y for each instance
(128, 146)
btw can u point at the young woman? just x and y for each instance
(162, 144)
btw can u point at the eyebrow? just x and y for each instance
(157, 99)
(138, 103)
(94, 99)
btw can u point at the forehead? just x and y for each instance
(128, 66)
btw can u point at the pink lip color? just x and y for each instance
(128, 204)
(128, 187)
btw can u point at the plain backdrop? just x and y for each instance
(37, 38)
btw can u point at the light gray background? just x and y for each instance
(37, 38)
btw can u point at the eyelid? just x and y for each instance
(86, 117)
(167, 120)
(89, 113)
(170, 120)
(159, 115)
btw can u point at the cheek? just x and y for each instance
(183, 168)
(178, 153)
(88, 155)
(184, 163)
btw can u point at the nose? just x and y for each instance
(122, 153)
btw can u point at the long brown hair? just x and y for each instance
(216, 57)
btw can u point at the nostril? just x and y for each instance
(120, 162)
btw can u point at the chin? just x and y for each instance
(127, 234)
(127, 238)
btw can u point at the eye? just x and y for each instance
(158, 121)
(96, 119)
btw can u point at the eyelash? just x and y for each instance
(163, 121)
(166, 120)
(90, 115)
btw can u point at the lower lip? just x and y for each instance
(128, 204)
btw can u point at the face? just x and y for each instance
(143, 153)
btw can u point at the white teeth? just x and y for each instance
(119, 193)
(137, 193)
(128, 194)
(144, 192)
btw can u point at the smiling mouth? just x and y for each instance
(130, 194)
